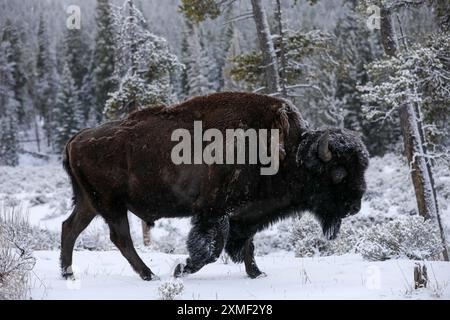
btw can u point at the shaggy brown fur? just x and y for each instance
(126, 165)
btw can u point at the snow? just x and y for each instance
(330, 51)
(44, 193)
(107, 275)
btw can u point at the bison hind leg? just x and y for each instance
(121, 237)
(205, 243)
(80, 218)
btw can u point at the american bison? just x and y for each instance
(125, 165)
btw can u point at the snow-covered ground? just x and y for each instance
(107, 275)
(43, 192)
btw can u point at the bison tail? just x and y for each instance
(76, 189)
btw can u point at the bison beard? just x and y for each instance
(125, 165)
(331, 227)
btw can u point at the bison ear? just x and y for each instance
(323, 149)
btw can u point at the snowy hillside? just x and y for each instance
(298, 261)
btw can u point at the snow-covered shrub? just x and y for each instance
(350, 234)
(389, 195)
(16, 260)
(406, 237)
(308, 240)
(307, 237)
(172, 240)
(275, 238)
(11, 201)
(169, 290)
(32, 237)
(43, 239)
(36, 185)
(403, 237)
(95, 239)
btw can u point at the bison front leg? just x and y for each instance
(240, 248)
(205, 243)
(120, 236)
(249, 260)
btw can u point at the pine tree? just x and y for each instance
(208, 59)
(198, 10)
(355, 47)
(11, 35)
(104, 53)
(184, 81)
(8, 108)
(233, 50)
(200, 74)
(87, 95)
(143, 64)
(68, 115)
(78, 56)
(46, 80)
(197, 63)
(8, 141)
(225, 43)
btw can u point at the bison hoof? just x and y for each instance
(67, 273)
(68, 276)
(148, 275)
(257, 275)
(179, 270)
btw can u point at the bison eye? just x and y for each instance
(338, 174)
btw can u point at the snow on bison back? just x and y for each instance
(128, 165)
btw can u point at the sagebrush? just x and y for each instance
(16, 256)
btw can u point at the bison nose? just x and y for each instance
(354, 209)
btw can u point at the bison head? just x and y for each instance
(332, 163)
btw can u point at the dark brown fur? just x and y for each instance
(126, 165)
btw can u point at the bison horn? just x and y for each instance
(322, 148)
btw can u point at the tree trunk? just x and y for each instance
(429, 162)
(36, 132)
(413, 140)
(387, 32)
(269, 58)
(283, 62)
(133, 45)
(414, 152)
(420, 276)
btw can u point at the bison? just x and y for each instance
(125, 165)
